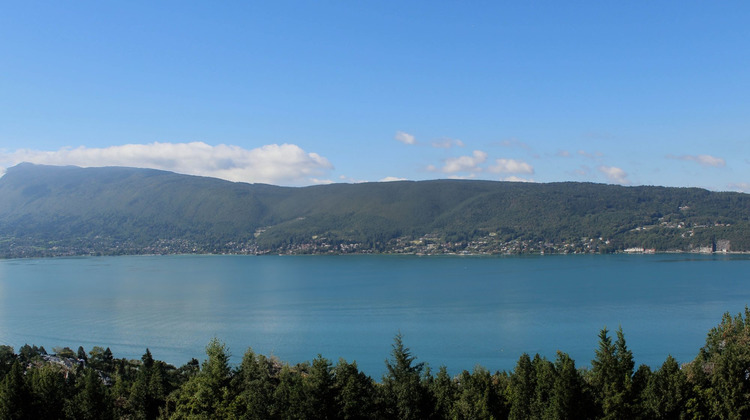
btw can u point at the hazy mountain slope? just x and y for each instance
(115, 210)
(52, 201)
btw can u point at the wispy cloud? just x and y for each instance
(562, 153)
(703, 160)
(514, 178)
(405, 138)
(739, 186)
(614, 174)
(350, 180)
(446, 143)
(511, 166)
(321, 181)
(392, 179)
(588, 155)
(464, 163)
(286, 164)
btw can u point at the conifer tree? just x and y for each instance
(255, 383)
(26, 353)
(641, 378)
(49, 391)
(82, 354)
(404, 395)
(321, 389)
(477, 397)
(667, 392)
(544, 378)
(723, 364)
(208, 394)
(568, 399)
(523, 385)
(443, 390)
(15, 396)
(356, 392)
(289, 397)
(7, 357)
(612, 374)
(91, 401)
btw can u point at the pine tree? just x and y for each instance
(568, 400)
(667, 392)
(15, 396)
(91, 401)
(208, 394)
(356, 392)
(444, 392)
(82, 354)
(477, 397)
(523, 385)
(321, 389)
(7, 357)
(255, 383)
(727, 354)
(289, 398)
(612, 374)
(544, 377)
(49, 391)
(404, 394)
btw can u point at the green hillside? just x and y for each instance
(48, 210)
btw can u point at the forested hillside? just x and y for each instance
(48, 210)
(96, 385)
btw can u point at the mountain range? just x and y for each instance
(67, 210)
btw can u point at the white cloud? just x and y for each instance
(514, 178)
(392, 179)
(562, 153)
(447, 143)
(321, 181)
(614, 174)
(511, 166)
(350, 180)
(405, 138)
(708, 160)
(465, 163)
(740, 186)
(286, 164)
(703, 160)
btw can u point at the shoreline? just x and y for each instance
(417, 254)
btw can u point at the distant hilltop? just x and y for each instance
(66, 210)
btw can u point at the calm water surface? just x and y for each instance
(456, 311)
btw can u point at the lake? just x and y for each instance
(453, 311)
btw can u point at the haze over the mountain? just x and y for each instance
(52, 210)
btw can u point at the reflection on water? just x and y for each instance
(452, 310)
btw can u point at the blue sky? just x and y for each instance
(308, 92)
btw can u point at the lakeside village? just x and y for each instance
(429, 244)
(432, 245)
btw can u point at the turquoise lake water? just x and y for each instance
(453, 311)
